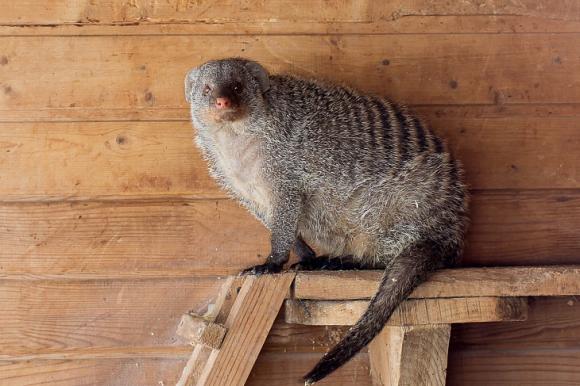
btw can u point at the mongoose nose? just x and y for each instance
(222, 103)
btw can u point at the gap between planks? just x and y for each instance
(181, 114)
(193, 198)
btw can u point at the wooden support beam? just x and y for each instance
(460, 282)
(410, 312)
(410, 356)
(248, 312)
(217, 312)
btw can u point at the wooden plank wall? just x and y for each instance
(110, 227)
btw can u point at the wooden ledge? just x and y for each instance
(412, 312)
(449, 283)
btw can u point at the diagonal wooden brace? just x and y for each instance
(244, 312)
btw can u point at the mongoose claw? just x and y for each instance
(262, 269)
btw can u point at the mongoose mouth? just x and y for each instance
(227, 115)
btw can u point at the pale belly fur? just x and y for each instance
(238, 159)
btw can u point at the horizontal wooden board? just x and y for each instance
(284, 337)
(513, 367)
(51, 78)
(163, 371)
(405, 24)
(272, 369)
(534, 367)
(229, 11)
(82, 320)
(284, 16)
(57, 319)
(498, 110)
(100, 329)
(413, 312)
(552, 322)
(175, 11)
(556, 367)
(277, 369)
(522, 153)
(178, 239)
(524, 228)
(217, 237)
(84, 160)
(110, 372)
(105, 159)
(265, 371)
(447, 283)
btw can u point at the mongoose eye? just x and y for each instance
(237, 87)
(206, 89)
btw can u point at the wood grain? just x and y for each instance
(411, 312)
(407, 24)
(218, 311)
(108, 160)
(92, 239)
(435, 69)
(197, 330)
(173, 11)
(105, 159)
(497, 78)
(552, 323)
(58, 319)
(155, 17)
(534, 367)
(523, 228)
(278, 369)
(513, 367)
(448, 283)
(298, 338)
(248, 324)
(410, 356)
(538, 368)
(217, 237)
(122, 372)
(273, 369)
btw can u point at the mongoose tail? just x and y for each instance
(401, 276)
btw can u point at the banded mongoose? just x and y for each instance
(353, 176)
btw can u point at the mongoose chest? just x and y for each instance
(239, 163)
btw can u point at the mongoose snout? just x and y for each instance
(223, 103)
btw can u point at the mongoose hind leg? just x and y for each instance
(303, 250)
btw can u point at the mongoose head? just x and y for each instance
(226, 90)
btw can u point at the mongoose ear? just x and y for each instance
(189, 78)
(260, 74)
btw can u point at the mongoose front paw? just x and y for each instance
(262, 268)
(325, 263)
(308, 265)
